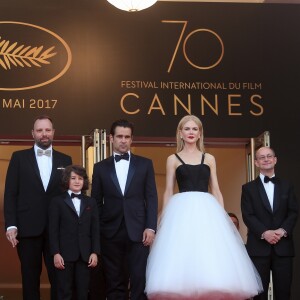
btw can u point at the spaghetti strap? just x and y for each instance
(203, 156)
(202, 160)
(179, 158)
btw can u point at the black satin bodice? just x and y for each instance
(192, 178)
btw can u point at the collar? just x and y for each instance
(37, 147)
(115, 153)
(70, 192)
(262, 176)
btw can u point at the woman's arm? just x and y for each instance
(170, 179)
(213, 181)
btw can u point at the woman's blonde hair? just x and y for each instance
(184, 120)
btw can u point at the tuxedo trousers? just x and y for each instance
(124, 263)
(74, 278)
(282, 274)
(31, 251)
(97, 283)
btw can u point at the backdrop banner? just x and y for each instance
(86, 63)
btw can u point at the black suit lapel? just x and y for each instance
(131, 171)
(69, 202)
(263, 194)
(276, 199)
(55, 165)
(83, 205)
(113, 174)
(33, 162)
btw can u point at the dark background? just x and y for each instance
(261, 45)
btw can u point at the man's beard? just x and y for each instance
(44, 145)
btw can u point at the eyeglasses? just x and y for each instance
(264, 157)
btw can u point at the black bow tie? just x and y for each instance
(122, 156)
(272, 179)
(79, 196)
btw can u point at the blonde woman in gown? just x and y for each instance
(197, 253)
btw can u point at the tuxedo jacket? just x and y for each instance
(25, 199)
(259, 216)
(70, 235)
(137, 207)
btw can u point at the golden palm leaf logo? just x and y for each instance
(29, 64)
(23, 56)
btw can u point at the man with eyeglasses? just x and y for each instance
(270, 209)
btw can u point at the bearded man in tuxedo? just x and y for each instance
(33, 178)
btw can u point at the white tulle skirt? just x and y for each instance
(199, 254)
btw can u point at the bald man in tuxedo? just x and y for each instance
(270, 209)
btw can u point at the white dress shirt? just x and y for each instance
(45, 166)
(76, 202)
(122, 168)
(269, 188)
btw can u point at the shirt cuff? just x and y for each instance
(11, 227)
(284, 232)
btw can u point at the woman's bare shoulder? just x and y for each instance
(172, 158)
(209, 158)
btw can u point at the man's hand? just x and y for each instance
(93, 260)
(59, 261)
(273, 236)
(11, 235)
(148, 237)
(280, 232)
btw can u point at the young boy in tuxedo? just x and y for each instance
(74, 234)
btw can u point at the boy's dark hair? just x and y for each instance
(80, 171)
